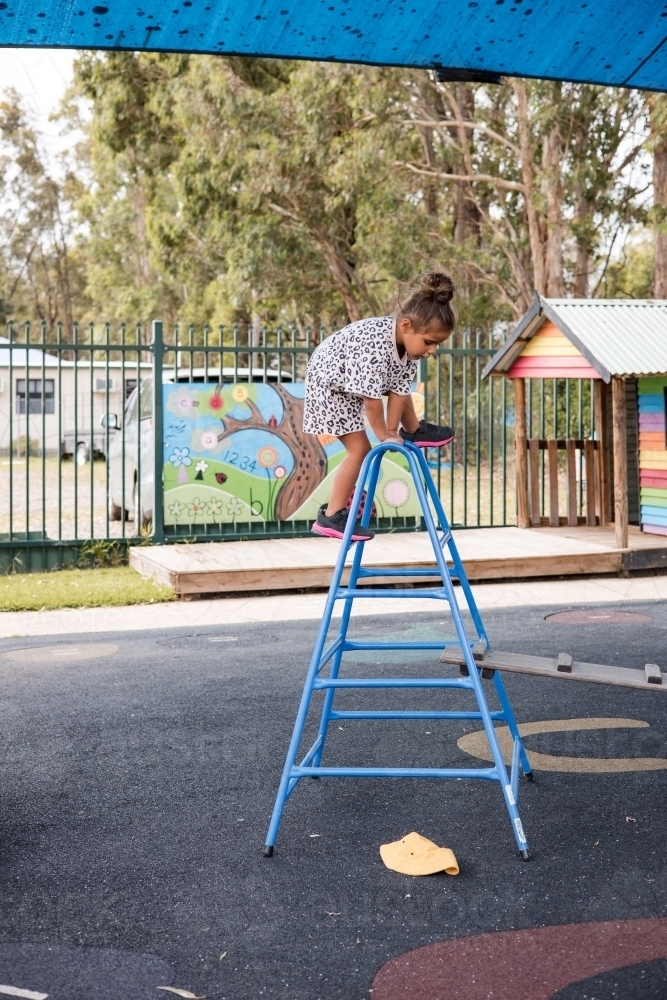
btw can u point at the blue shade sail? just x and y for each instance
(599, 41)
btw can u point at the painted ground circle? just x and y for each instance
(62, 653)
(596, 617)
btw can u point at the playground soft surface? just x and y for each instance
(137, 788)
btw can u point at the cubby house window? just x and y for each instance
(39, 400)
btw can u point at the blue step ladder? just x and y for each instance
(471, 674)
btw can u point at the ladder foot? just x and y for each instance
(525, 855)
(529, 776)
(268, 851)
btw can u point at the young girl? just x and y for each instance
(353, 369)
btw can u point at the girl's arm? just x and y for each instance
(375, 413)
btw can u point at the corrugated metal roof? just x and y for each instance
(626, 336)
(617, 336)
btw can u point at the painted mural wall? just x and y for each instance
(238, 453)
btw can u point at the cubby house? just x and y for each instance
(621, 344)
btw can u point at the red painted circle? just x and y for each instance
(596, 617)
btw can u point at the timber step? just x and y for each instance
(649, 679)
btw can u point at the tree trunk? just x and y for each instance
(552, 191)
(310, 461)
(660, 213)
(343, 283)
(528, 177)
(466, 213)
(583, 260)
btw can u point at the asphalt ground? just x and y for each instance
(137, 787)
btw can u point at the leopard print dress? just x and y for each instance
(360, 360)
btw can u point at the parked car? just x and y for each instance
(131, 458)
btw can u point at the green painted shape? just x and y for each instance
(653, 497)
(259, 491)
(212, 506)
(651, 386)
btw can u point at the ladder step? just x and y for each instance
(496, 716)
(391, 645)
(437, 592)
(395, 772)
(391, 682)
(545, 666)
(412, 571)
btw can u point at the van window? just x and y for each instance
(146, 398)
(131, 408)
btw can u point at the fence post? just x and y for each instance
(422, 376)
(157, 347)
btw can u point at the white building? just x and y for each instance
(57, 404)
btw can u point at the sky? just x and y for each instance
(41, 76)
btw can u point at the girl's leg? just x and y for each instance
(357, 447)
(400, 409)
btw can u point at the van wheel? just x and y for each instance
(140, 519)
(115, 512)
(82, 453)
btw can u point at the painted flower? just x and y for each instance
(215, 402)
(209, 440)
(396, 493)
(239, 394)
(176, 508)
(419, 403)
(196, 507)
(234, 506)
(267, 456)
(185, 402)
(180, 457)
(214, 508)
(201, 466)
(280, 472)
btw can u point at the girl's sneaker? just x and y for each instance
(428, 435)
(333, 526)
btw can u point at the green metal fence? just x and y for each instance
(80, 411)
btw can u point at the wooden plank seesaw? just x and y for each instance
(648, 679)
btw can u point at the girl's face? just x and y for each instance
(419, 343)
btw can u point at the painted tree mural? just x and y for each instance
(310, 463)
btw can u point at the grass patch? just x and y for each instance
(79, 588)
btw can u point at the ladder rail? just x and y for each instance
(311, 765)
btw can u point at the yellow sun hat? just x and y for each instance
(415, 855)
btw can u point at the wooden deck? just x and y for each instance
(488, 554)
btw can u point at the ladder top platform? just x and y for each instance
(545, 666)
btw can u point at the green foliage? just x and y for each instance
(256, 191)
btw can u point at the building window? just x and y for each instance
(40, 400)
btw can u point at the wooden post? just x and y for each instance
(523, 519)
(572, 518)
(600, 399)
(552, 451)
(534, 463)
(589, 460)
(620, 463)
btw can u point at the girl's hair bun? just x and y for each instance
(428, 301)
(437, 285)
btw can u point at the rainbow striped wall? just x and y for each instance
(652, 455)
(549, 354)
